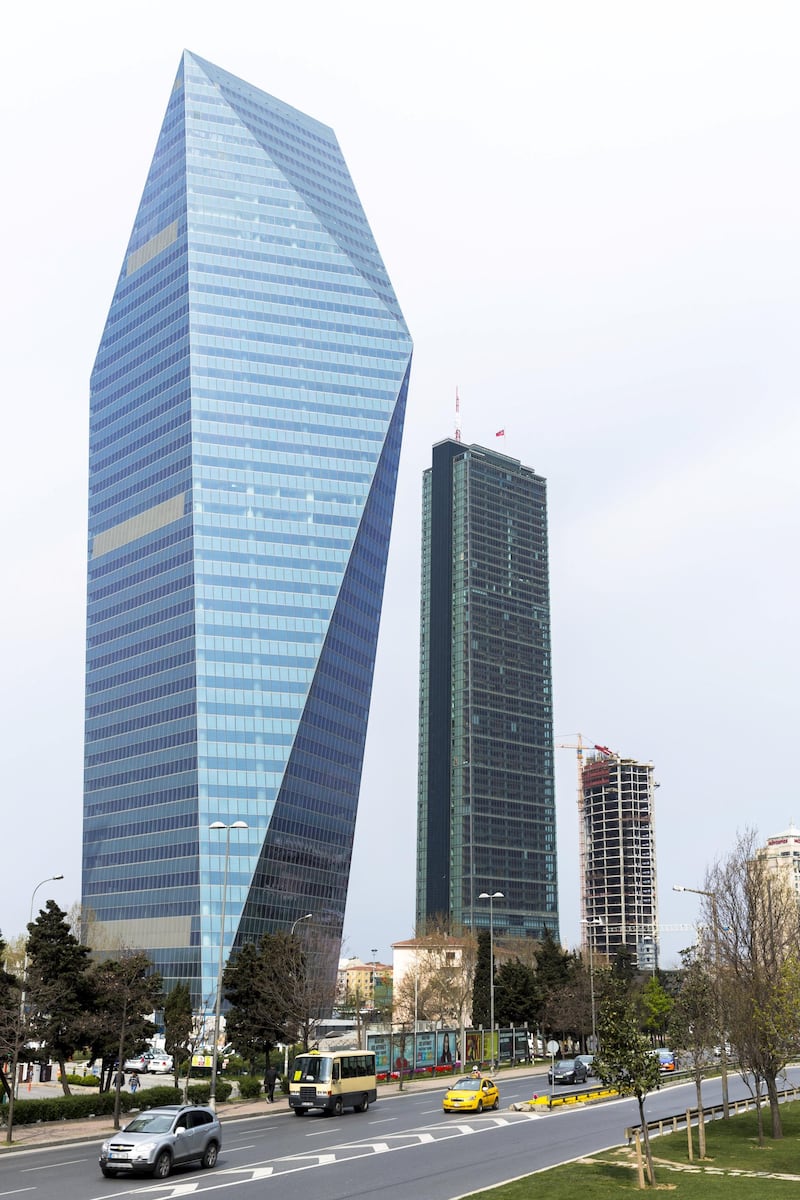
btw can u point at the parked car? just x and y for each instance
(160, 1138)
(568, 1070)
(472, 1093)
(588, 1062)
(137, 1062)
(159, 1064)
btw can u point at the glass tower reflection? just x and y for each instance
(247, 408)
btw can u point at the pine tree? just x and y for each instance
(60, 999)
(178, 1026)
(481, 993)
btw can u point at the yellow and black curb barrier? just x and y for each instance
(548, 1102)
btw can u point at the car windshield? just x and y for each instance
(469, 1084)
(567, 1064)
(312, 1068)
(151, 1123)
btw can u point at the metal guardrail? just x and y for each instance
(713, 1113)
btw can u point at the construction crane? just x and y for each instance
(580, 745)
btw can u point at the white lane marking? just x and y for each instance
(236, 1149)
(383, 1121)
(16, 1191)
(51, 1167)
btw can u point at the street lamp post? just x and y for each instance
(24, 990)
(491, 897)
(212, 1096)
(307, 917)
(295, 923)
(723, 1050)
(595, 921)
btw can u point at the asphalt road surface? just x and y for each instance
(404, 1143)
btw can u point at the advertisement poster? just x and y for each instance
(474, 1046)
(445, 1048)
(426, 1049)
(382, 1047)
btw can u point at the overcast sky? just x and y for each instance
(590, 216)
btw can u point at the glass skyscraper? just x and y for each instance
(486, 816)
(247, 406)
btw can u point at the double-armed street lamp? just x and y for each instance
(212, 1097)
(723, 1052)
(491, 897)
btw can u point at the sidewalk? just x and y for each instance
(95, 1129)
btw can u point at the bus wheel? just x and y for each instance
(364, 1105)
(336, 1110)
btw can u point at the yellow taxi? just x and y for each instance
(473, 1093)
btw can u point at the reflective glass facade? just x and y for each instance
(486, 816)
(247, 407)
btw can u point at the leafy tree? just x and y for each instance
(755, 921)
(10, 1030)
(438, 987)
(694, 1024)
(481, 995)
(656, 1005)
(58, 987)
(274, 995)
(127, 992)
(626, 1060)
(566, 1007)
(179, 1027)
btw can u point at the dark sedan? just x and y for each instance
(568, 1070)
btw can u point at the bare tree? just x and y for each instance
(754, 917)
(694, 1023)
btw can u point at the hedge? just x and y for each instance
(101, 1104)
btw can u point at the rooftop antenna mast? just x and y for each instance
(458, 416)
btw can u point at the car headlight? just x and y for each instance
(144, 1150)
(104, 1147)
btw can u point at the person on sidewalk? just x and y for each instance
(270, 1079)
(134, 1083)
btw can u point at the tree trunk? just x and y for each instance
(774, 1106)
(62, 1066)
(651, 1170)
(701, 1120)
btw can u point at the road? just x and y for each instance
(404, 1142)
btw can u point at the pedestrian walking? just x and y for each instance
(134, 1083)
(270, 1079)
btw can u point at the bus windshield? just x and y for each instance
(312, 1068)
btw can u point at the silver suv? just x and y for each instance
(160, 1138)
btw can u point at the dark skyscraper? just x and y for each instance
(486, 820)
(247, 407)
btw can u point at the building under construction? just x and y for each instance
(618, 857)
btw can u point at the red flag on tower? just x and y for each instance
(500, 433)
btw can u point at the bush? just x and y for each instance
(154, 1097)
(82, 1080)
(200, 1093)
(249, 1087)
